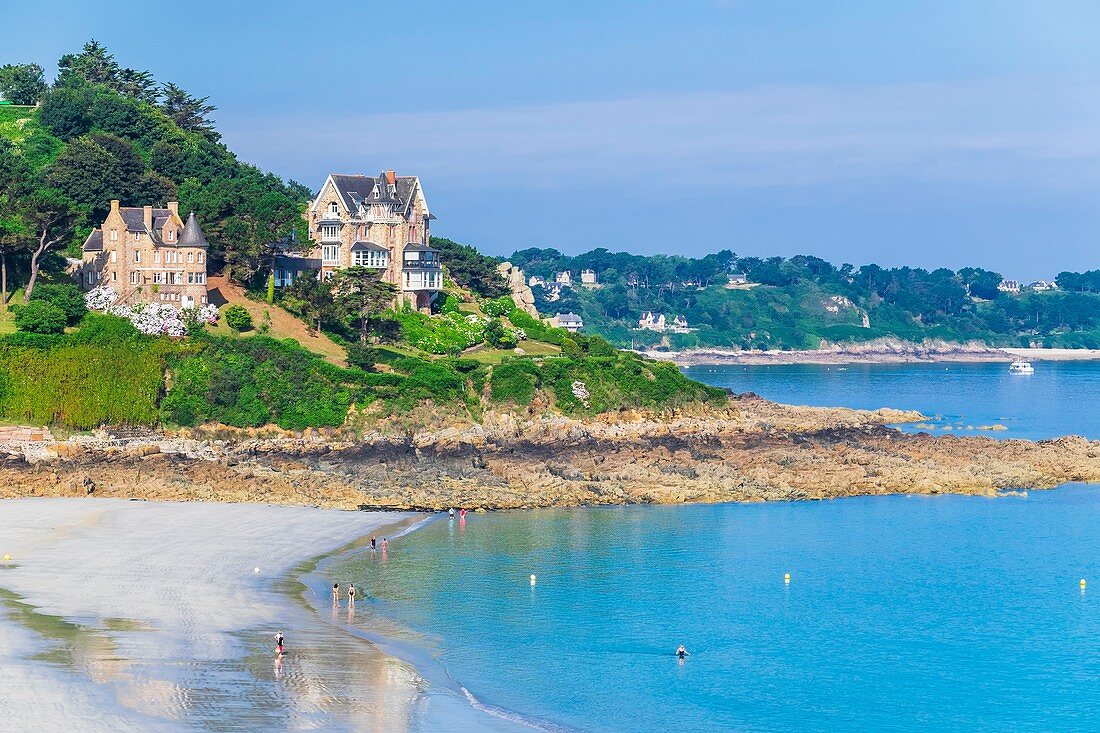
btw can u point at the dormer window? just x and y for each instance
(377, 192)
(114, 235)
(171, 235)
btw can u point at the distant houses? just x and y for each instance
(571, 322)
(1013, 287)
(564, 278)
(657, 322)
(736, 278)
(588, 278)
(536, 281)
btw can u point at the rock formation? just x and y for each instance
(754, 450)
(521, 293)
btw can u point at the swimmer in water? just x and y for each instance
(279, 644)
(336, 594)
(351, 594)
(681, 652)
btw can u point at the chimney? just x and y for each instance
(147, 215)
(391, 177)
(114, 206)
(174, 207)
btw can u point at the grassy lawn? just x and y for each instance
(7, 322)
(487, 355)
(13, 120)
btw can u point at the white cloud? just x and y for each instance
(1031, 132)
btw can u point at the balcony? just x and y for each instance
(422, 263)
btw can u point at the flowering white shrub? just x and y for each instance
(101, 298)
(520, 334)
(150, 318)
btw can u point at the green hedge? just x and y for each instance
(79, 383)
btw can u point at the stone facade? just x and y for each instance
(380, 222)
(147, 254)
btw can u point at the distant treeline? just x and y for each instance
(799, 302)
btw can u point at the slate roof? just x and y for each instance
(370, 245)
(418, 247)
(292, 262)
(135, 218)
(569, 318)
(192, 235)
(355, 190)
(94, 242)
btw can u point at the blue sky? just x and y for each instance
(925, 133)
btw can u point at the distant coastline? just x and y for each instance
(874, 352)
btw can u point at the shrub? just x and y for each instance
(65, 296)
(515, 381)
(40, 316)
(498, 307)
(238, 318)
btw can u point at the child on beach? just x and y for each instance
(279, 644)
(351, 594)
(336, 594)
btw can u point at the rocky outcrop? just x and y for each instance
(521, 293)
(755, 450)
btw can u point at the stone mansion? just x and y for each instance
(147, 254)
(381, 222)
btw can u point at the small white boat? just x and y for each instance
(1021, 367)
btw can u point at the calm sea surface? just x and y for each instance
(902, 614)
(1060, 398)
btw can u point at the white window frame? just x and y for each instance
(114, 235)
(334, 208)
(137, 256)
(330, 233)
(330, 254)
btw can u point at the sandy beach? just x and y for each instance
(151, 616)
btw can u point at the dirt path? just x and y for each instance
(283, 324)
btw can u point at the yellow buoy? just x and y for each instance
(532, 578)
(1082, 583)
(7, 557)
(787, 578)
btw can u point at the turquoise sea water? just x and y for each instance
(903, 613)
(1060, 398)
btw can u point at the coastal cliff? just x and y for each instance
(753, 450)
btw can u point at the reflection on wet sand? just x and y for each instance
(178, 637)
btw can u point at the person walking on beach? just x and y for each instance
(373, 544)
(336, 594)
(385, 545)
(279, 644)
(351, 594)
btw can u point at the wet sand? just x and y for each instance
(149, 616)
